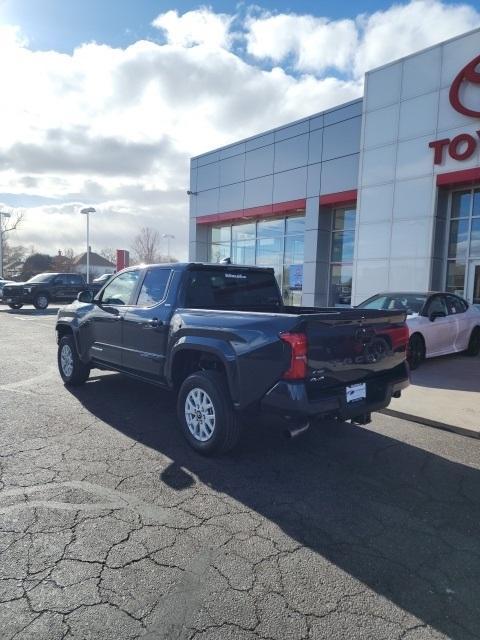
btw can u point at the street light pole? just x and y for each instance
(169, 237)
(86, 212)
(5, 215)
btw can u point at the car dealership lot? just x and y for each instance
(111, 527)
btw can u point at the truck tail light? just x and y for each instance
(298, 360)
(399, 337)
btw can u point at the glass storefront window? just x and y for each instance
(457, 245)
(476, 203)
(243, 252)
(456, 277)
(341, 258)
(295, 225)
(294, 249)
(344, 219)
(219, 251)
(342, 246)
(243, 231)
(221, 234)
(463, 240)
(461, 201)
(271, 228)
(475, 238)
(276, 243)
(341, 285)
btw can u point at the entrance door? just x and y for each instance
(473, 283)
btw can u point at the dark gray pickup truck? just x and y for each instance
(222, 339)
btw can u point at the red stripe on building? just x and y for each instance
(453, 178)
(339, 198)
(264, 211)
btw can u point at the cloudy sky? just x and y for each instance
(103, 103)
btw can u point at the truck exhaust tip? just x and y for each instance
(293, 432)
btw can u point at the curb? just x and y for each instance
(469, 433)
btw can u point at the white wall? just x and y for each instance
(406, 106)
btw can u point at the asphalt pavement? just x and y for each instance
(112, 528)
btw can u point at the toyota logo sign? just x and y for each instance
(469, 73)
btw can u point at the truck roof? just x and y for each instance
(185, 266)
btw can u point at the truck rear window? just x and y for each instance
(232, 289)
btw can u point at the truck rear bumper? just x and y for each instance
(293, 398)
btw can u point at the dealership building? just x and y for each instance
(379, 194)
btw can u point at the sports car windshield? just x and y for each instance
(409, 302)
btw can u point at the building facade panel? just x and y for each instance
(381, 193)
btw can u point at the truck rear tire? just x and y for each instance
(72, 370)
(15, 305)
(205, 413)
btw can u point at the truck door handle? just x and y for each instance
(154, 323)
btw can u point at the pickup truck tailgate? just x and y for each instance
(351, 345)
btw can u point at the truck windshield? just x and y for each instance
(42, 277)
(232, 289)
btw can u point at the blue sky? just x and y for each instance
(64, 24)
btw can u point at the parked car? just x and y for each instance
(438, 322)
(222, 339)
(2, 284)
(45, 288)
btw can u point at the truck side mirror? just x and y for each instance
(85, 296)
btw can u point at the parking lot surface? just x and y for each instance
(110, 527)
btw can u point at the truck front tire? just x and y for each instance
(15, 305)
(41, 301)
(72, 370)
(205, 413)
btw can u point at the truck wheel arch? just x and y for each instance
(190, 358)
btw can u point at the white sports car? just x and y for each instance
(439, 323)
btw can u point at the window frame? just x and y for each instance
(426, 309)
(463, 302)
(99, 297)
(165, 294)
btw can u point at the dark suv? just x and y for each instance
(45, 288)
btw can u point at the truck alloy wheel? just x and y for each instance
(206, 414)
(40, 301)
(200, 414)
(66, 360)
(72, 370)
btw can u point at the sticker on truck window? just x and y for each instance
(236, 275)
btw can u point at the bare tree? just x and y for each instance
(7, 225)
(146, 245)
(11, 223)
(109, 254)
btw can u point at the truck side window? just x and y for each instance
(154, 287)
(120, 290)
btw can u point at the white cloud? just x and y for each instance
(200, 26)
(114, 128)
(353, 46)
(315, 43)
(403, 29)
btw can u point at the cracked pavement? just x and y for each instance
(112, 528)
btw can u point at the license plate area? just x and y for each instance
(356, 392)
